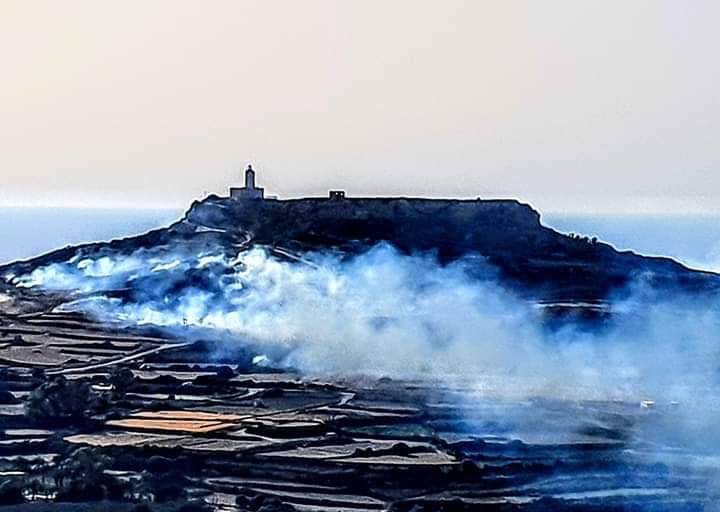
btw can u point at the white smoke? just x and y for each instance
(384, 313)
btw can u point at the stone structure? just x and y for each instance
(249, 191)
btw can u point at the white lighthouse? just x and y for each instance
(249, 191)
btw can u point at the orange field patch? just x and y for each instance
(171, 425)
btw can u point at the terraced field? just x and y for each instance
(243, 438)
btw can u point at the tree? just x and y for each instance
(81, 476)
(60, 399)
(166, 486)
(121, 380)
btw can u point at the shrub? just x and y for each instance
(81, 477)
(60, 399)
(121, 379)
(225, 373)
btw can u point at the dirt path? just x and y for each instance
(120, 360)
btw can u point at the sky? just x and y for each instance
(594, 106)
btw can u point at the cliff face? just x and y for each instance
(508, 234)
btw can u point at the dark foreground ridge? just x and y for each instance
(508, 234)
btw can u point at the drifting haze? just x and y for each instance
(570, 105)
(383, 313)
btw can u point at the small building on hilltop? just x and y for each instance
(249, 191)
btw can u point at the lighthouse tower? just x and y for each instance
(249, 191)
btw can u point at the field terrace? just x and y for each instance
(236, 435)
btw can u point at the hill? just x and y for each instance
(507, 234)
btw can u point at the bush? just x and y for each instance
(121, 379)
(60, 399)
(81, 477)
(158, 464)
(165, 487)
(225, 373)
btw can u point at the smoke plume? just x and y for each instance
(385, 313)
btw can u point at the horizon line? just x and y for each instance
(542, 204)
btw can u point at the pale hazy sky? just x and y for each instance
(600, 105)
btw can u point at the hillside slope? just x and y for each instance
(509, 235)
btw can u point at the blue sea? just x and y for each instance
(691, 239)
(27, 232)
